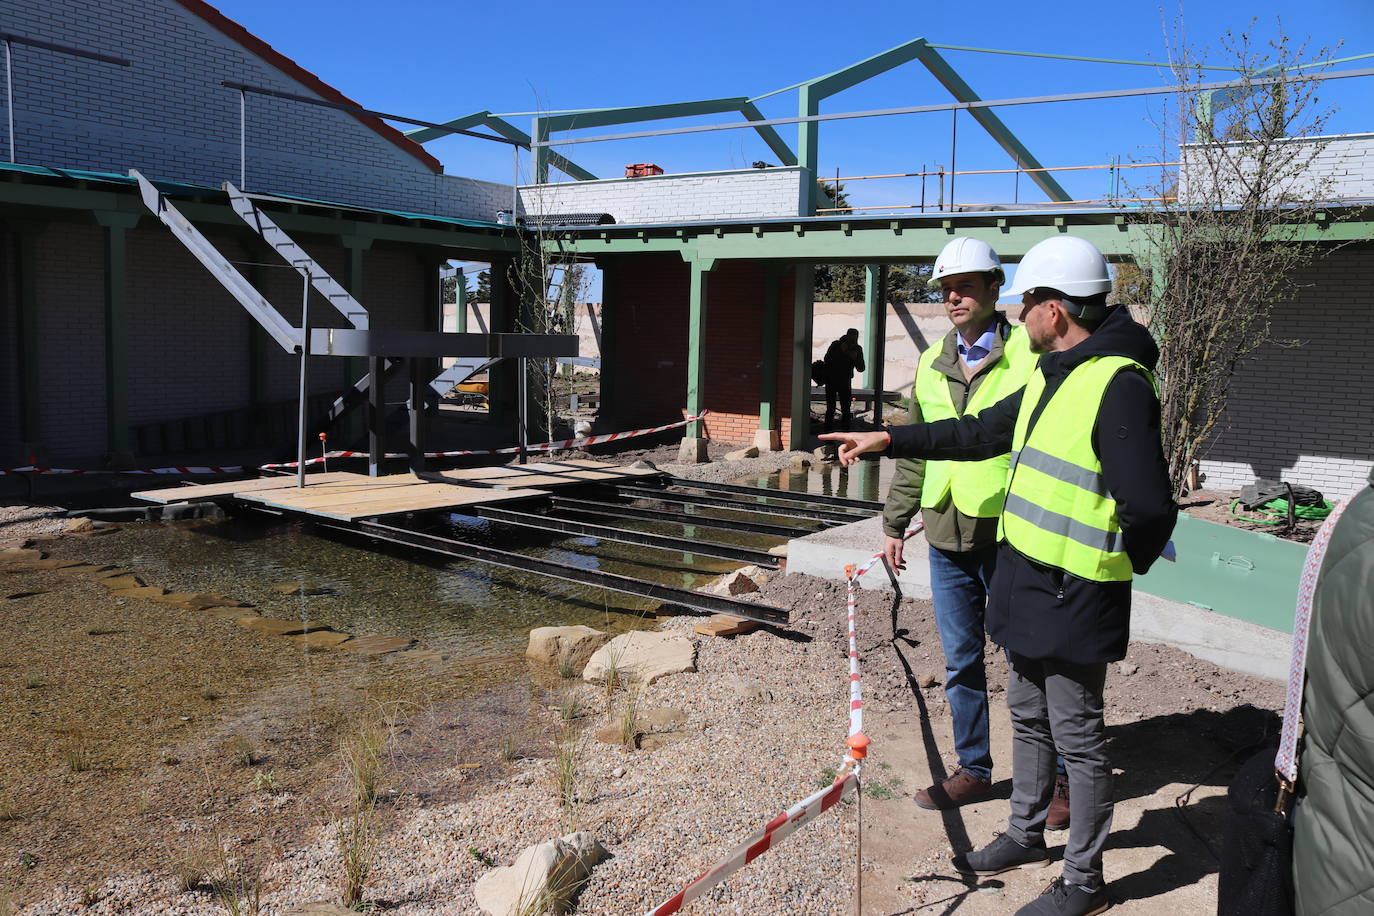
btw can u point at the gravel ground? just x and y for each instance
(19, 522)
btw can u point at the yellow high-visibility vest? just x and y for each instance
(977, 487)
(1058, 511)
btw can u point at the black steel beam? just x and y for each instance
(627, 536)
(622, 510)
(720, 502)
(766, 493)
(668, 594)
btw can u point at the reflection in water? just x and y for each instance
(865, 480)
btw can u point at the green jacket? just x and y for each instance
(945, 526)
(1333, 841)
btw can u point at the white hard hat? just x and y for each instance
(1066, 263)
(964, 255)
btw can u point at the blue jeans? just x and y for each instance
(959, 591)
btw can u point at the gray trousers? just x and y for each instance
(1059, 705)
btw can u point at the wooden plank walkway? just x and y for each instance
(348, 496)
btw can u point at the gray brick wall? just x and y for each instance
(168, 116)
(696, 196)
(1304, 411)
(1334, 168)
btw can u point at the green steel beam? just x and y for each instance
(875, 332)
(770, 136)
(808, 143)
(825, 86)
(696, 342)
(768, 383)
(803, 309)
(605, 117)
(466, 122)
(989, 121)
(542, 154)
(115, 226)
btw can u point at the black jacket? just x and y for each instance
(842, 359)
(1043, 612)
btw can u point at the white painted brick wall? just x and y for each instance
(697, 196)
(1332, 168)
(1304, 412)
(168, 116)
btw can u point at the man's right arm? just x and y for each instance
(971, 437)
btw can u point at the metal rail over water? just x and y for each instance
(717, 502)
(668, 594)
(628, 536)
(622, 510)
(814, 499)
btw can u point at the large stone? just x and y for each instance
(377, 645)
(21, 555)
(543, 877)
(128, 580)
(743, 454)
(736, 583)
(296, 588)
(565, 646)
(231, 613)
(275, 627)
(798, 463)
(140, 591)
(319, 640)
(641, 657)
(200, 601)
(77, 526)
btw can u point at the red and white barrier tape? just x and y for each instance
(779, 828)
(539, 447)
(808, 808)
(33, 469)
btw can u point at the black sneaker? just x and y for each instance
(1061, 899)
(1002, 854)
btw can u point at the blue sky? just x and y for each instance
(437, 60)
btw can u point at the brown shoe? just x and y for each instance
(1058, 818)
(961, 788)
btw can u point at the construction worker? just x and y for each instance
(1088, 504)
(978, 363)
(843, 358)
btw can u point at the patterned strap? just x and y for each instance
(1286, 761)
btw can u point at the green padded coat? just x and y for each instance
(1333, 842)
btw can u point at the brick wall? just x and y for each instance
(68, 276)
(1304, 411)
(168, 116)
(1331, 168)
(650, 296)
(697, 196)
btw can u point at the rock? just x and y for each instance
(645, 463)
(229, 613)
(618, 772)
(551, 872)
(128, 580)
(642, 657)
(748, 689)
(778, 550)
(144, 591)
(275, 627)
(21, 555)
(725, 625)
(661, 718)
(319, 640)
(200, 601)
(77, 526)
(377, 645)
(798, 463)
(613, 734)
(743, 454)
(560, 646)
(296, 588)
(1127, 668)
(736, 583)
(826, 454)
(656, 740)
(926, 679)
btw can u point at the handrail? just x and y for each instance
(1049, 168)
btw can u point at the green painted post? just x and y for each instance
(541, 153)
(808, 143)
(501, 377)
(875, 333)
(768, 383)
(460, 306)
(696, 344)
(116, 226)
(803, 296)
(610, 273)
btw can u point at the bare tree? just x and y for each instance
(1224, 233)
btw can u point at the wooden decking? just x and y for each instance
(347, 496)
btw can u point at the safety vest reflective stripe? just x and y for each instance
(1054, 523)
(1064, 471)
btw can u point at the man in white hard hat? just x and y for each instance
(1088, 505)
(982, 360)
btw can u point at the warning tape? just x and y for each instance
(539, 447)
(33, 469)
(781, 826)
